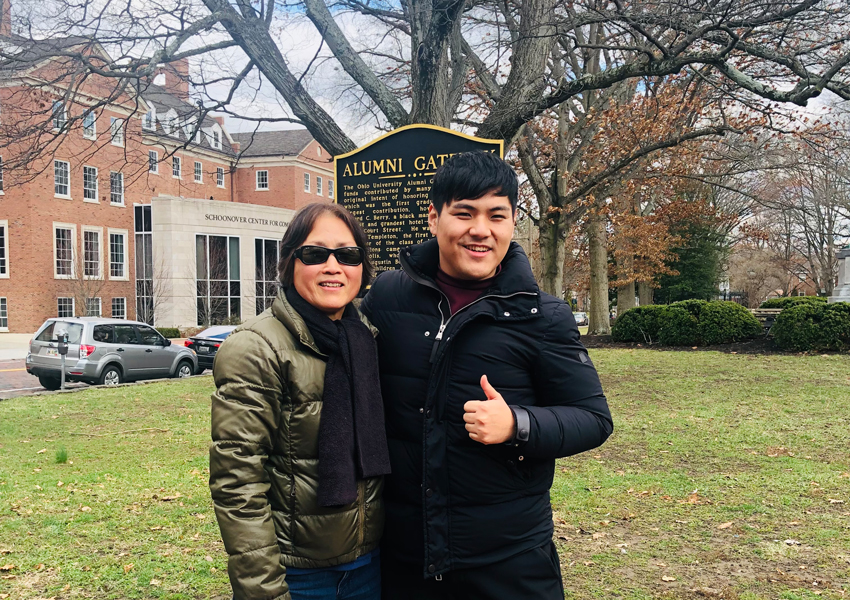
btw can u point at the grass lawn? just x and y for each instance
(728, 476)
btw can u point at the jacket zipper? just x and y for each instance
(445, 322)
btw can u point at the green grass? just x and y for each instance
(727, 473)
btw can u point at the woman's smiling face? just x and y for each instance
(329, 286)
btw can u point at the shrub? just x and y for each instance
(813, 326)
(169, 332)
(680, 327)
(694, 307)
(639, 324)
(792, 301)
(724, 322)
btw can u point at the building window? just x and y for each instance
(89, 125)
(61, 178)
(218, 280)
(144, 264)
(266, 257)
(116, 128)
(4, 315)
(117, 255)
(318, 186)
(153, 161)
(119, 308)
(91, 254)
(64, 307)
(92, 307)
(4, 249)
(64, 251)
(175, 166)
(90, 184)
(147, 121)
(199, 172)
(116, 187)
(219, 177)
(216, 136)
(330, 188)
(307, 182)
(262, 180)
(60, 118)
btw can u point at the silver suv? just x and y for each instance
(106, 352)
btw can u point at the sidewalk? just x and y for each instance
(14, 345)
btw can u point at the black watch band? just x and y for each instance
(522, 428)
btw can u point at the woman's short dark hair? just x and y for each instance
(471, 175)
(301, 227)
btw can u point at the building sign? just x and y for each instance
(385, 184)
(245, 220)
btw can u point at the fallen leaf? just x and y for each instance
(835, 501)
(208, 558)
(668, 578)
(792, 543)
(42, 451)
(128, 568)
(589, 563)
(8, 567)
(39, 566)
(599, 535)
(59, 484)
(726, 525)
(155, 582)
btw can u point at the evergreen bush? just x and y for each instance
(723, 322)
(639, 324)
(792, 301)
(813, 326)
(680, 327)
(694, 307)
(169, 332)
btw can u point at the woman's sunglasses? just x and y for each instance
(316, 255)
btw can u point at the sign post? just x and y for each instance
(386, 183)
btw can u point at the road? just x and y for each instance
(15, 381)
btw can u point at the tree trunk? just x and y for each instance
(644, 293)
(597, 240)
(552, 255)
(625, 297)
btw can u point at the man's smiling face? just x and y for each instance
(473, 235)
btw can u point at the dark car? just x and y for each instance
(206, 344)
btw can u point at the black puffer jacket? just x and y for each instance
(451, 502)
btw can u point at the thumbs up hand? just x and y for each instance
(489, 421)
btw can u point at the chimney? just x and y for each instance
(236, 146)
(219, 120)
(5, 18)
(176, 76)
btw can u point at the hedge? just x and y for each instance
(687, 323)
(813, 327)
(792, 301)
(169, 332)
(725, 322)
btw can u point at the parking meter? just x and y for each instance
(62, 338)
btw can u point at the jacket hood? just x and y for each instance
(421, 262)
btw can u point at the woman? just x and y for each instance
(299, 447)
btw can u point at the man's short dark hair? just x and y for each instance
(470, 175)
(301, 227)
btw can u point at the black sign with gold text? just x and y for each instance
(385, 184)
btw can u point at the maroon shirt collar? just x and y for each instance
(462, 292)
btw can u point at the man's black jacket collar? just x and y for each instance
(421, 262)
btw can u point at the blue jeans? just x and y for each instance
(363, 583)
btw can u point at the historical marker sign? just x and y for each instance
(385, 184)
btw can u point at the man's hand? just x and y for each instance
(490, 421)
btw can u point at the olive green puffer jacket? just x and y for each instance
(269, 376)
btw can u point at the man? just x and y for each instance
(485, 384)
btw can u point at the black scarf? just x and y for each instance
(352, 438)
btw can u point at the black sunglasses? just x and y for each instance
(316, 255)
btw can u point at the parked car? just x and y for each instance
(106, 352)
(581, 318)
(207, 342)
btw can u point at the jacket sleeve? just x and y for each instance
(571, 414)
(245, 415)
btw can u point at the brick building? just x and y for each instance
(136, 209)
